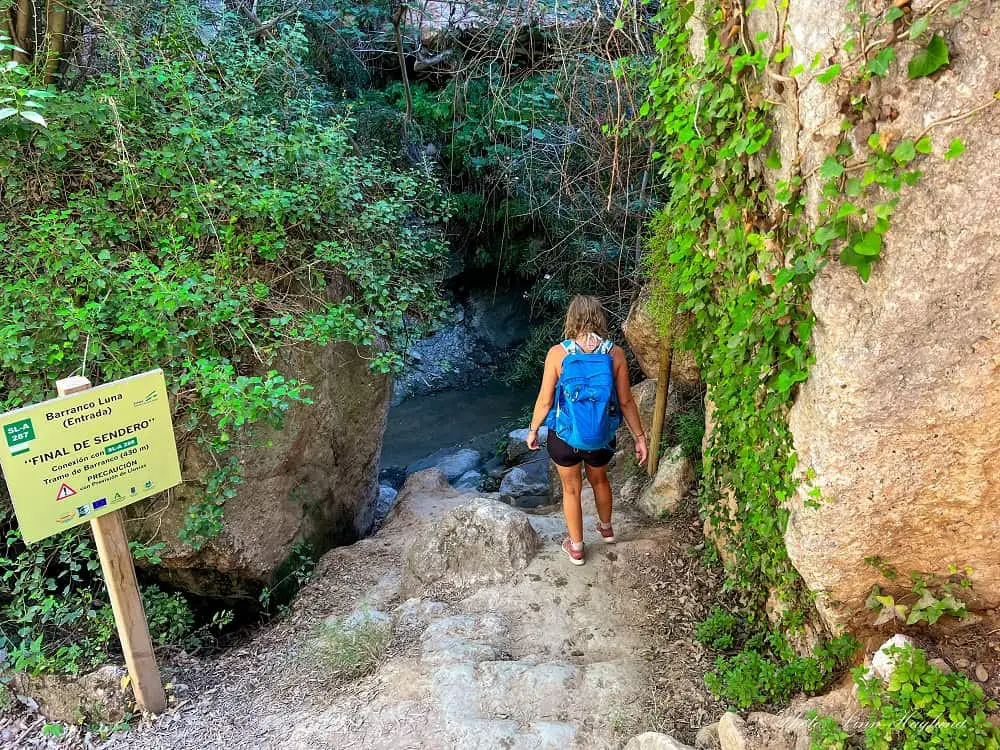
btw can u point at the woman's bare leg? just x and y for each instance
(598, 478)
(572, 485)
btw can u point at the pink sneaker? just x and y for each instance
(607, 532)
(575, 555)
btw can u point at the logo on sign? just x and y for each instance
(150, 398)
(83, 510)
(100, 503)
(19, 435)
(64, 492)
(66, 518)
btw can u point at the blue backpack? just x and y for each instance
(586, 414)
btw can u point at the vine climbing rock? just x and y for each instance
(898, 419)
(643, 335)
(314, 481)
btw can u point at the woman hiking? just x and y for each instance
(584, 394)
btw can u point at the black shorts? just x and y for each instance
(564, 454)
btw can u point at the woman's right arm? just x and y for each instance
(546, 395)
(627, 404)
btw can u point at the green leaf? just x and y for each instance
(905, 152)
(869, 245)
(831, 168)
(956, 149)
(893, 15)
(32, 116)
(919, 26)
(829, 74)
(826, 234)
(7, 112)
(879, 65)
(930, 59)
(847, 209)
(956, 9)
(924, 145)
(773, 160)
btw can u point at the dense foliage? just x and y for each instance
(552, 189)
(202, 209)
(920, 706)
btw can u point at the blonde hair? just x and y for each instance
(585, 315)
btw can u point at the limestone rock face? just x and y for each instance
(483, 541)
(898, 419)
(315, 480)
(674, 477)
(644, 339)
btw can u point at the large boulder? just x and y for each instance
(655, 741)
(898, 419)
(315, 481)
(485, 541)
(517, 446)
(763, 731)
(452, 463)
(527, 485)
(643, 335)
(674, 478)
(447, 26)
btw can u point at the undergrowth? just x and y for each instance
(203, 209)
(919, 707)
(352, 647)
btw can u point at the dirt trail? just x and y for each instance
(557, 656)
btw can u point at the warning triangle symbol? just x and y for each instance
(65, 491)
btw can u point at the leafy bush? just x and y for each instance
(720, 630)
(922, 707)
(826, 733)
(689, 428)
(201, 210)
(768, 673)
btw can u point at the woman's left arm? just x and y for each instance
(627, 404)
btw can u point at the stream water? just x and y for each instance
(475, 418)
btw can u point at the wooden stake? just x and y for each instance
(123, 590)
(660, 410)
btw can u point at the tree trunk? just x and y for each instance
(21, 31)
(55, 34)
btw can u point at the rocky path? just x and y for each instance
(488, 655)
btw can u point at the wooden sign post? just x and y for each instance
(82, 457)
(660, 409)
(123, 590)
